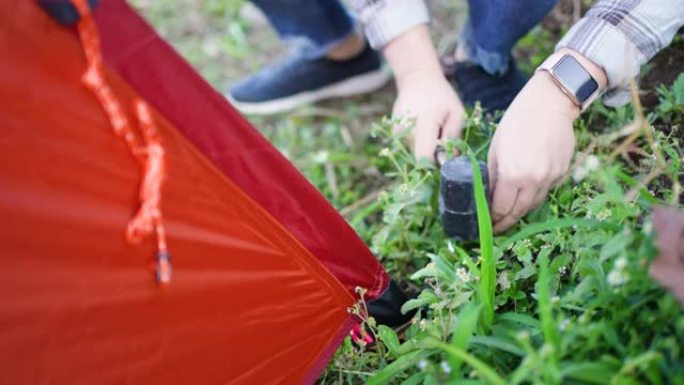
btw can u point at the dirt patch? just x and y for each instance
(663, 69)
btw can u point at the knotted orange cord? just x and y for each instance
(150, 153)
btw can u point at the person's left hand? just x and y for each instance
(531, 150)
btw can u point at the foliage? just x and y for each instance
(572, 299)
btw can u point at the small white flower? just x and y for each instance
(546, 350)
(563, 270)
(320, 157)
(617, 278)
(422, 325)
(463, 274)
(422, 364)
(603, 215)
(621, 263)
(579, 174)
(564, 324)
(405, 189)
(446, 368)
(648, 227)
(450, 246)
(523, 335)
(384, 152)
(592, 163)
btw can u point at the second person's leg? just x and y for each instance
(492, 30)
(330, 59)
(494, 26)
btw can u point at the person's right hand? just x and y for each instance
(531, 150)
(427, 98)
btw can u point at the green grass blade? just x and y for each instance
(485, 372)
(556, 224)
(465, 327)
(386, 374)
(548, 322)
(598, 373)
(498, 343)
(488, 264)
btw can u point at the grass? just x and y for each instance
(563, 298)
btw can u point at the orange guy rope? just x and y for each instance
(149, 153)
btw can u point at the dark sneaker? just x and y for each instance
(297, 80)
(494, 92)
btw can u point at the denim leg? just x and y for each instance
(494, 26)
(314, 26)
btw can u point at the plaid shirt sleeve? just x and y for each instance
(621, 35)
(384, 20)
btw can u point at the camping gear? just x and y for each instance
(456, 196)
(141, 242)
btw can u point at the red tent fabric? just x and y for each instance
(263, 267)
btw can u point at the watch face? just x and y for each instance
(575, 78)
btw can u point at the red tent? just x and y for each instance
(263, 268)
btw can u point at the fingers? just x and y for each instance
(452, 126)
(492, 168)
(505, 193)
(522, 204)
(540, 196)
(514, 198)
(431, 131)
(426, 137)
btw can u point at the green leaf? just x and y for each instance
(384, 375)
(415, 379)
(525, 272)
(426, 297)
(390, 339)
(556, 224)
(465, 327)
(590, 372)
(523, 319)
(430, 380)
(616, 245)
(484, 371)
(548, 322)
(497, 343)
(487, 287)
(678, 89)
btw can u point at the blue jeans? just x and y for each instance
(313, 26)
(492, 29)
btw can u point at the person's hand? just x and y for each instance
(531, 149)
(425, 96)
(427, 99)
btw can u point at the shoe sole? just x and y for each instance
(356, 85)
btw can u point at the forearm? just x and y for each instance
(412, 53)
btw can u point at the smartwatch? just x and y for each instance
(572, 78)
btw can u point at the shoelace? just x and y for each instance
(149, 153)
